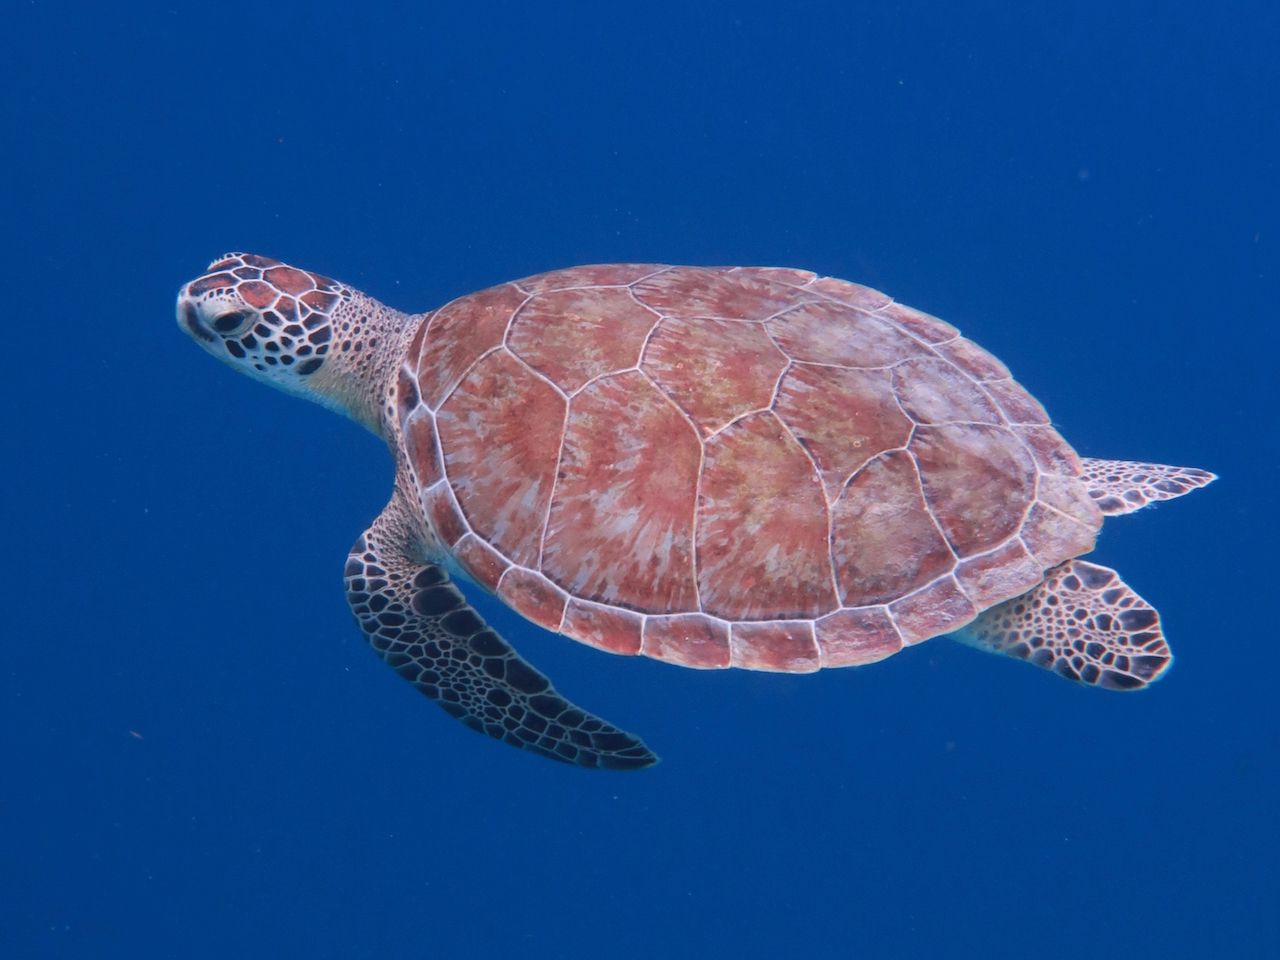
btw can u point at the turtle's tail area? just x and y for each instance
(1122, 486)
(1083, 623)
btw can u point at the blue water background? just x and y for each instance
(201, 758)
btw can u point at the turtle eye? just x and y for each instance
(231, 323)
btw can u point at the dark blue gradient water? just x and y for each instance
(202, 759)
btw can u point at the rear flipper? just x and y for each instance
(1122, 486)
(1081, 622)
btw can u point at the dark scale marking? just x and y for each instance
(463, 623)
(471, 672)
(436, 601)
(429, 576)
(1137, 619)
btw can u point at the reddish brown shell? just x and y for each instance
(750, 467)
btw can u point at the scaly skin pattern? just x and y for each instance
(1082, 623)
(301, 332)
(1123, 486)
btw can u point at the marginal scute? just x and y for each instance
(715, 292)
(762, 526)
(1069, 495)
(533, 596)
(606, 628)
(1018, 405)
(500, 431)
(422, 448)
(934, 391)
(481, 561)
(1008, 571)
(978, 481)
(779, 646)
(691, 640)
(858, 635)
(789, 275)
(715, 370)
(459, 333)
(826, 332)
(842, 417)
(938, 608)
(591, 275)
(620, 528)
(573, 335)
(1051, 453)
(852, 294)
(884, 543)
(442, 513)
(919, 324)
(1054, 537)
(413, 355)
(973, 360)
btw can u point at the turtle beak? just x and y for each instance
(189, 320)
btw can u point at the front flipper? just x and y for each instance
(1082, 622)
(423, 627)
(1122, 486)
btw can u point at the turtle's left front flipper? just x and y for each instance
(1084, 623)
(423, 627)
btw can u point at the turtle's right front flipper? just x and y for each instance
(423, 627)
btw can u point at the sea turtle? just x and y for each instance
(716, 467)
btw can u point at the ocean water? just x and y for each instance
(202, 758)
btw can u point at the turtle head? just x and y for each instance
(263, 317)
(298, 331)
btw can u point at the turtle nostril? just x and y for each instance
(191, 317)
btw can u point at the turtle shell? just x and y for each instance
(752, 467)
